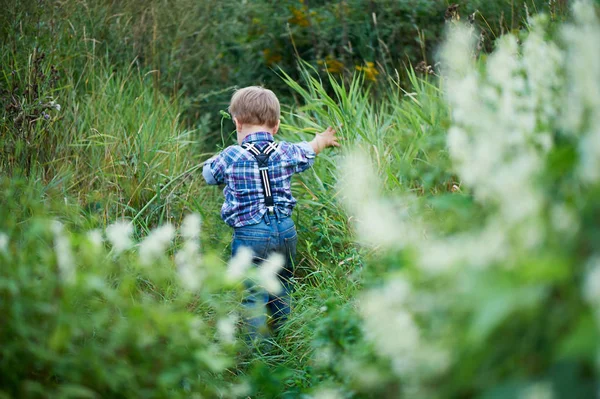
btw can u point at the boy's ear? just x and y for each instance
(238, 125)
(276, 128)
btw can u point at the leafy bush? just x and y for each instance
(505, 304)
(448, 250)
(79, 321)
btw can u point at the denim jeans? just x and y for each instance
(275, 233)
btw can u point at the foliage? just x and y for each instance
(79, 321)
(447, 250)
(504, 305)
(203, 49)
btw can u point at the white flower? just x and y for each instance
(324, 356)
(55, 105)
(327, 393)
(458, 51)
(95, 238)
(267, 273)
(591, 285)
(379, 222)
(226, 328)
(119, 236)
(196, 326)
(365, 375)
(541, 390)
(239, 264)
(390, 326)
(241, 390)
(543, 60)
(190, 228)
(564, 219)
(589, 147)
(64, 256)
(581, 104)
(157, 242)
(3, 242)
(188, 261)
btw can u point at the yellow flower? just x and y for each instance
(332, 65)
(299, 17)
(369, 70)
(271, 57)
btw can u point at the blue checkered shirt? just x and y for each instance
(237, 168)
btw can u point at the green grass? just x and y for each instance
(119, 147)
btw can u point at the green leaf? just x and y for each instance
(582, 341)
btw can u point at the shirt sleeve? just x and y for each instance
(302, 155)
(213, 170)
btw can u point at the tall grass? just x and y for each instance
(412, 280)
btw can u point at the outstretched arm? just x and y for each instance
(213, 170)
(324, 140)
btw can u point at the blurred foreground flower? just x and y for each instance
(379, 222)
(64, 256)
(3, 242)
(189, 259)
(95, 238)
(267, 273)
(226, 328)
(581, 115)
(390, 326)
(591, 286)
(157, 242)
(327, 393)
(239, 265)
(191, 226)
(540, 390)
(119, 236)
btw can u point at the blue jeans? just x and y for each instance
(274, 233)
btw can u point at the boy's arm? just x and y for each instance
(213, 170)
(302, 155)
(324, 140)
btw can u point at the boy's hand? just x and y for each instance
(324, 140)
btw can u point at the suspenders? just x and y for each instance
(262, 158)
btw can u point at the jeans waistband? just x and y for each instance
(273, 214)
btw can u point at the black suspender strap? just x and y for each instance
(262, 158)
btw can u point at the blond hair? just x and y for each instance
(255, 105)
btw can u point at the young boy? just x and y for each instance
(258, 199)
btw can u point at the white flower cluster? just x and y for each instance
(541, 390)
(498, 140)
(591, 287)
(156, 243)
(226, 328)
(581, 115)
(327, 393)
(267, 273)
(189, 259)
(504, 120)
(389, 324)
(118, 235)
(64, 255)
(239, 265)
(95, 238)
(3, 242)
(380, 222)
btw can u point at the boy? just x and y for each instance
(258, 199)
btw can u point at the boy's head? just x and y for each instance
(255, 106)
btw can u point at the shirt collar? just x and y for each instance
(258, 136)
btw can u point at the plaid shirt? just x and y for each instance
(237, 168)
